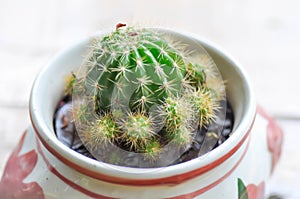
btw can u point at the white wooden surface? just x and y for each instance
(262, 34)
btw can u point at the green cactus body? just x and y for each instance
(101, 132)
(145, 92)
(135, 65)
(204, 104)
(137, 131)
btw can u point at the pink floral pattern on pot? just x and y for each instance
(252, 191)
(18, 167)
(274, 137)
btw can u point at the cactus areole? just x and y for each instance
(139, 93)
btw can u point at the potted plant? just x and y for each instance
(140, 102)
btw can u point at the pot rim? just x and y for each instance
(127, 175)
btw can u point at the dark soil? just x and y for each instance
(204, 141)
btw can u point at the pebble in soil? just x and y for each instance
(206, 139)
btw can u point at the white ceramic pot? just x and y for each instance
(42, 167)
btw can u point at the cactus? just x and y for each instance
(128, 74)
(101, 131)
(137, 131)
(179, 115)
(70, 81)
(138, 59)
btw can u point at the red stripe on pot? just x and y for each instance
(67, 181)
(171, 180)
(210, 186)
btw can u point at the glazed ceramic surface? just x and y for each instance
(42, 167)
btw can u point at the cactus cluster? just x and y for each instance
(144, 92)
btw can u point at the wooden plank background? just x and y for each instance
(264, 35)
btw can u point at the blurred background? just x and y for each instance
(263, 35)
